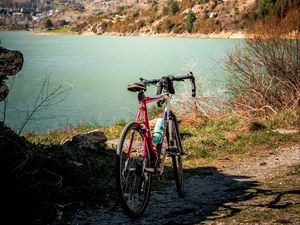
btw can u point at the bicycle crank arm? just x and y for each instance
(149, 170)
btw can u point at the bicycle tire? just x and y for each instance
(132, 182)
(177, 160)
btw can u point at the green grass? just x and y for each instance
(216, 137)
(61, 30)
(234, 134)
(284, 119)
(56, 137)
(112, 132)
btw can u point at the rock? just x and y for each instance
(286, 131)
(213, 15)
(4, 90)
(263, 164)
(112, 144)
(93, 139)
(11, 63)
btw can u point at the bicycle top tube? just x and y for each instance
(155, 98)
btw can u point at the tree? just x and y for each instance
(265, 7)
(190, 19)
(172, 6)
(169, 24)
(48, 24)
(165, 10)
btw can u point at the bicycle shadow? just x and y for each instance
(208, 196)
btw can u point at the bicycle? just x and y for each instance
(138, 158)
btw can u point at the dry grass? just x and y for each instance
(264, 74)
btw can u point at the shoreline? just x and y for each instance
(221, 35)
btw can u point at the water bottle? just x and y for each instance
(158, 131)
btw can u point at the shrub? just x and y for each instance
(265, 7)
(172, 7)
(169, 24)
(48, 24)
(264, 74)
(190, 19)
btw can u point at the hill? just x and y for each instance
(166, 17)
(138, 17)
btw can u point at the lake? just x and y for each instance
(96, 71)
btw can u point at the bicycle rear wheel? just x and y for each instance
(176, 153)
(133, 183)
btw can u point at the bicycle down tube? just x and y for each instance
(143, 110)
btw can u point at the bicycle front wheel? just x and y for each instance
(133, 183)
(176, 154)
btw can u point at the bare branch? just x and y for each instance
(45, 99)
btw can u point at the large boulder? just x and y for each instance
(93, 139)
(11, 64)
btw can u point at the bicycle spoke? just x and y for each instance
(132, 182)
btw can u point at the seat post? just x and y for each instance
(141, 96)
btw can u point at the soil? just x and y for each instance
(43, 183)
(249, 189)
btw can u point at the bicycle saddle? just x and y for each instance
(136, 87)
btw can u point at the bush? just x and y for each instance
(265, 7)
(169, 24)
(48, 24)
(190, 21)
(172, 7)
(264, 74)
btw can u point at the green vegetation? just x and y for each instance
(265, 7)
(207, 138)
(277, 8)
(48, 24)
(56, 137)
(190, 21)
(222, 136)
(62, 30)
(172, 7)
(169, 24)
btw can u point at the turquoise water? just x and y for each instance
(97, 69)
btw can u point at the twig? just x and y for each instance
(44, 99)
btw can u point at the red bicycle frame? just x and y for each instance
(142, 119)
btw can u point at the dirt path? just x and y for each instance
(215, 194)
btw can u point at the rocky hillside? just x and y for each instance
(138, 17)
(166, 16)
